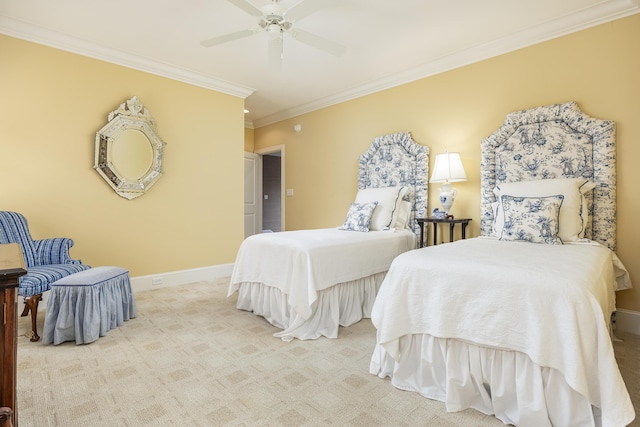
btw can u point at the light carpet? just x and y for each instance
(190, 358)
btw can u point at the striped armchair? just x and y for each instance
(47, 260)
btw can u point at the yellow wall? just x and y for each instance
(51, 105)
(248, 140)
(599, 68)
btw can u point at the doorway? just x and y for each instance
(272, 184)
(271, 193)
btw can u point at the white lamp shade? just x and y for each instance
(448, 168)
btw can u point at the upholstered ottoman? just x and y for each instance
(84, 306)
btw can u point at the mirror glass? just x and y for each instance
(128, 152)
(132, 154)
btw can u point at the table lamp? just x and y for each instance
(447, 169)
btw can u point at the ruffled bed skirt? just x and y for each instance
(340, 305)
(503, 383)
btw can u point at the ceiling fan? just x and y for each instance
(275, 20)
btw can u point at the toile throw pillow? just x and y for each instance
(359, 216)
(531, 219)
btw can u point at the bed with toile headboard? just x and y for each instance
(310, 282)
(516, 322)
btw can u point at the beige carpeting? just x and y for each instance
(191, 358)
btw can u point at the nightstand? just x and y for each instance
(435, 221)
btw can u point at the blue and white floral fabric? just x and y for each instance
(531, 219)
(396, 160)
(557, 141)
(359, 216)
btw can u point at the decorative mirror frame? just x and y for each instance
(130, 115)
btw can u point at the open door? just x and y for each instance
(252, 194)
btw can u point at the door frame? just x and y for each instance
(272, 150)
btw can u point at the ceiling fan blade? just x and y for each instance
(246, 6)
(319, 42)
(304, 8)
(275, 52)
(226, 38)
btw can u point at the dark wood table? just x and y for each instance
(11, 268)
(435, 221)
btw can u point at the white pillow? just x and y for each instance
(404, 214)
(359, 217)
(573, 217)
(388, 199)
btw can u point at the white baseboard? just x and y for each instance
(175, 278)
(627, 321)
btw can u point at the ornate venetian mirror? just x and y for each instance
(128, 152)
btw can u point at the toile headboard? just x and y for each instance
(556, 141)
(397, 160)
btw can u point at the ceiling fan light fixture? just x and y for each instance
(274, 31)
(271, 19)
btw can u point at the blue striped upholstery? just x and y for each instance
(47, 260)
(13, 229)
(54, 251)
(39, 279)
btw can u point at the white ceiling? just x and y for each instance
(389, 42)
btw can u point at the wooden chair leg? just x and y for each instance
(6, 417)
(31, 305)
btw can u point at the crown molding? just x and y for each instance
(589, 17)
(600, 13)
(36, 34)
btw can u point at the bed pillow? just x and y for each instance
(359, 216)
(584, 213)
(404, 214)
(573, 216)
(386, 211)
(531, 219)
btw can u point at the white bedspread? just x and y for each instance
(301, 263)
(551, 302)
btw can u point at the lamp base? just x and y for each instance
(447, 197)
